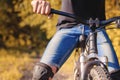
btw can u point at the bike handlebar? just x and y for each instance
(87, 22)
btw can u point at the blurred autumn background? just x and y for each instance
(24, 35)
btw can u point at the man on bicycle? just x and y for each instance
(65, 39)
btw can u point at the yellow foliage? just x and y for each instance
(11, 65)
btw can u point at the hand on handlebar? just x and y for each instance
(41, 7)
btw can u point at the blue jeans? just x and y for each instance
(65, 40)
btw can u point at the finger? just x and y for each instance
(43, 8)
(39, 7)
(48, 9)
(34, 5)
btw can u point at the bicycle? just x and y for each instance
(90, 66)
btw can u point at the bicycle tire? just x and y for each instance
(98, 73)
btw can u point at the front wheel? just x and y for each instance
(98, 73)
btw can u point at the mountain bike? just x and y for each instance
(90, 66)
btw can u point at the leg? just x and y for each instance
(59, 49)
(105, 48)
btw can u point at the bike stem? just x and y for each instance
(93, 36)
(93, 43)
